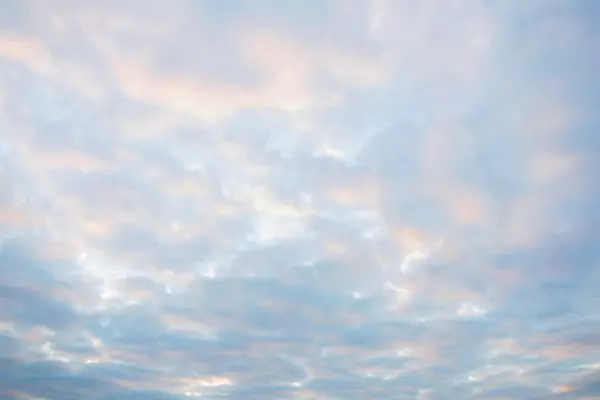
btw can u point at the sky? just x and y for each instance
(299, 199)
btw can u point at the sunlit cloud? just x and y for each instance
(322, 199)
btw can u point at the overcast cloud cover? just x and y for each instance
(311, 199)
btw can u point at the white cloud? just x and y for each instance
(294, 201)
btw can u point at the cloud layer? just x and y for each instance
(299, 200)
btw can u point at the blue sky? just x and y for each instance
(333, 199)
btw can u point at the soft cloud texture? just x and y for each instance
(358, 199)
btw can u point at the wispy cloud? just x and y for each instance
(322, 199)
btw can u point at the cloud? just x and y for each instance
(366, 199)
